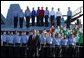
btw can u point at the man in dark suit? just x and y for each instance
(33, 44)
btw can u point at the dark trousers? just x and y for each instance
(43, 51)
(32, 51)
(38, 21)
(58, 20)
(57, 51)
(80, 53)
(15, 22)
(64, 51)
(21, 21)
(11, 50)
(3, 51)
(48, 50)
(46, 20)
(17, 50)
(27, 21)
(71, 51)
(33, 20)
(68, 21)
(23, 50)
(41, 21)
(52, 20)
(6, 49)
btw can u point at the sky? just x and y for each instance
(63, 5)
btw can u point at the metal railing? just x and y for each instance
(76, 14)
(77, 50)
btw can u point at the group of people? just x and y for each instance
(41, 15)
(59, 42)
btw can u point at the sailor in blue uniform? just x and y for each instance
(64, 43)
(17, 39)
(49, 40)
(72, 44)
(23, 43)
(57, 43)
(69, 16)
(43, 39)
(11, 38)
(46, 16)
(43, 44)
(15, 15)
(54, 43)
(4, 38)
(7, 46)
(33, 15)
(11, 43)
(17, 44)
(4, 44)
(27, 15)
(21, 18)
(24, 39)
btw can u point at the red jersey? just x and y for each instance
(41, 12)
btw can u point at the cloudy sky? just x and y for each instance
(63, 5)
